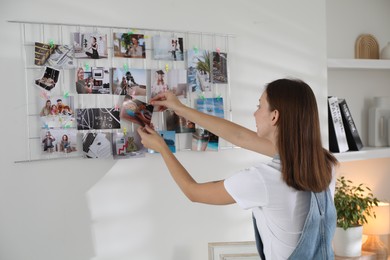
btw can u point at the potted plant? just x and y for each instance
(353, 204)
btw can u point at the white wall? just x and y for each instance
(131, 209)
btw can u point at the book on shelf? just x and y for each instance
(337, 137)
(353, 137)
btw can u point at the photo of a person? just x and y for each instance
(54, 110)
(57, 112)
(48, 142)
(168, 48)
(94, 81)
(159, 85)
(129, 45)
(90, 45)
(134, 51)
(94, 47)
(46, 110)
(131, 82)
(65, 144)
(136, 111)
(82, 84)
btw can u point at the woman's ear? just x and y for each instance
(275, 117)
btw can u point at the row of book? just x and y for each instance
(343, 134)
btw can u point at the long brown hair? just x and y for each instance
(306, 165)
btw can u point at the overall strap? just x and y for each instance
(259, 242)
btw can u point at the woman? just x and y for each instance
(65, 143)
(94, 48)
(82, 86)
(291, 196)
(135, 50)
(46, 110)
(159, 86)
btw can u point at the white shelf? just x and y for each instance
(364, 154)
(358, 64)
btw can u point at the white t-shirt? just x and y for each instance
(280, 210)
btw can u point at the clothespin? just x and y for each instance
(130, 32)
(116, 107)
(86, 66)
(201, 95)
(51, 43)
(166, 67)
(44, 95)
(46, 126)
(66, 94)
(218, 97)
(124, 130)
(146, 36)
(218, 50)
(125, 67)
(196, 50)
(67, 125)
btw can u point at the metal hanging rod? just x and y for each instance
(122, 27)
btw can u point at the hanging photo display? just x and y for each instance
(105, 125)
(129, 45)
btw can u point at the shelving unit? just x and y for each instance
(361, 64)
(358, 64)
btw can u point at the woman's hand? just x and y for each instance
(167, 100)
(151, 139)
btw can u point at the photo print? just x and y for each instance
(129, 45)
(59, 140)
(90, 45)
(54, 55)
(203, 140)
(136, 111)
(97, 118)
(170, 139)
(177, 123)
(97, 145)
(131, 82)
(177, 81)
(49, 78)
(159, 82)
(127, 145)
(219, 72)
(57, 112)
(199, 68)
(168, 48)
(211, 106)
(95, 80)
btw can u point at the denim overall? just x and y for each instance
(315, 242)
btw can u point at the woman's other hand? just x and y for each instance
(167, 100)
(151, 139)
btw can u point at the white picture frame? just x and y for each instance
(245, 250)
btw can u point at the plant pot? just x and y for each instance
(348, 243)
